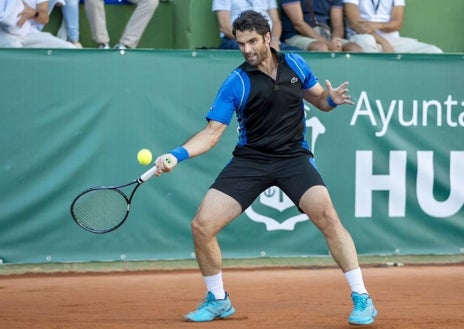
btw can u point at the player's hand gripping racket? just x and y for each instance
(103, 209)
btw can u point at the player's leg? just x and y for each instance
(236, 187)
(317, 204)
(301, 181)
(214, 213)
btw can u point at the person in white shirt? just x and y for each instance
(19, 21)
(383, 18)
(228, 10)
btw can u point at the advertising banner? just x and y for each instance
(393, 162)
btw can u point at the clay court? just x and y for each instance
(408, 297)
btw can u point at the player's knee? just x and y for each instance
(328, 222)
(199, 229)
(195, 227)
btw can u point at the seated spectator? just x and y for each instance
(384, 19)
(19, 25)
(228, 10)
(95, 10)
(315, 25)
(69, 29)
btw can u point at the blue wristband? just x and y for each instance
(331, 102)
(180, 153)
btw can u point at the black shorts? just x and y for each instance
(245, 179)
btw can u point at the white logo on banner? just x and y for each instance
(275, 198)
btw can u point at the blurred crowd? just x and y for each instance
(304, 25)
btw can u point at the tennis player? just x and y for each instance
(266, 93)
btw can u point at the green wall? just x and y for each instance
(196, 24)
(71, 119)
(437, 22)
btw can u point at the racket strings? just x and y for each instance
(101, 210)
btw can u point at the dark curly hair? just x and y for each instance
(250, 20)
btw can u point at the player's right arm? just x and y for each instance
(205, 139)
(200, 143)
(229, 97)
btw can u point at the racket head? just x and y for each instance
(100, 209)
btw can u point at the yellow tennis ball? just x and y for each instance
(144, 157)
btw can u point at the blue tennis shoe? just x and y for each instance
(211, 308)
(364, 311)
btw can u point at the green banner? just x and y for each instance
(71, 119)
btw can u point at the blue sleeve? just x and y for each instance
(302, 69)
(229, 98)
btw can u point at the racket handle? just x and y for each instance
(147, 174)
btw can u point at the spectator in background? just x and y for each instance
(95, 10)
(69, 29)
(382, 18)
(228, 10)
(19, 25)
(315, 25)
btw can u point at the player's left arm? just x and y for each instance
(327, 99)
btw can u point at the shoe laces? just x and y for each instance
(360, 302)
(206, 301)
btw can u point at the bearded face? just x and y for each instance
(254, 47)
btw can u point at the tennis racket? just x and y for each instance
(103, 209)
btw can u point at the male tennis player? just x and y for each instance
(266, 92)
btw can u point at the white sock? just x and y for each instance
(215, 285)
(355, 280)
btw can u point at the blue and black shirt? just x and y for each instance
(270, 113)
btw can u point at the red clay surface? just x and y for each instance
(409, 297)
